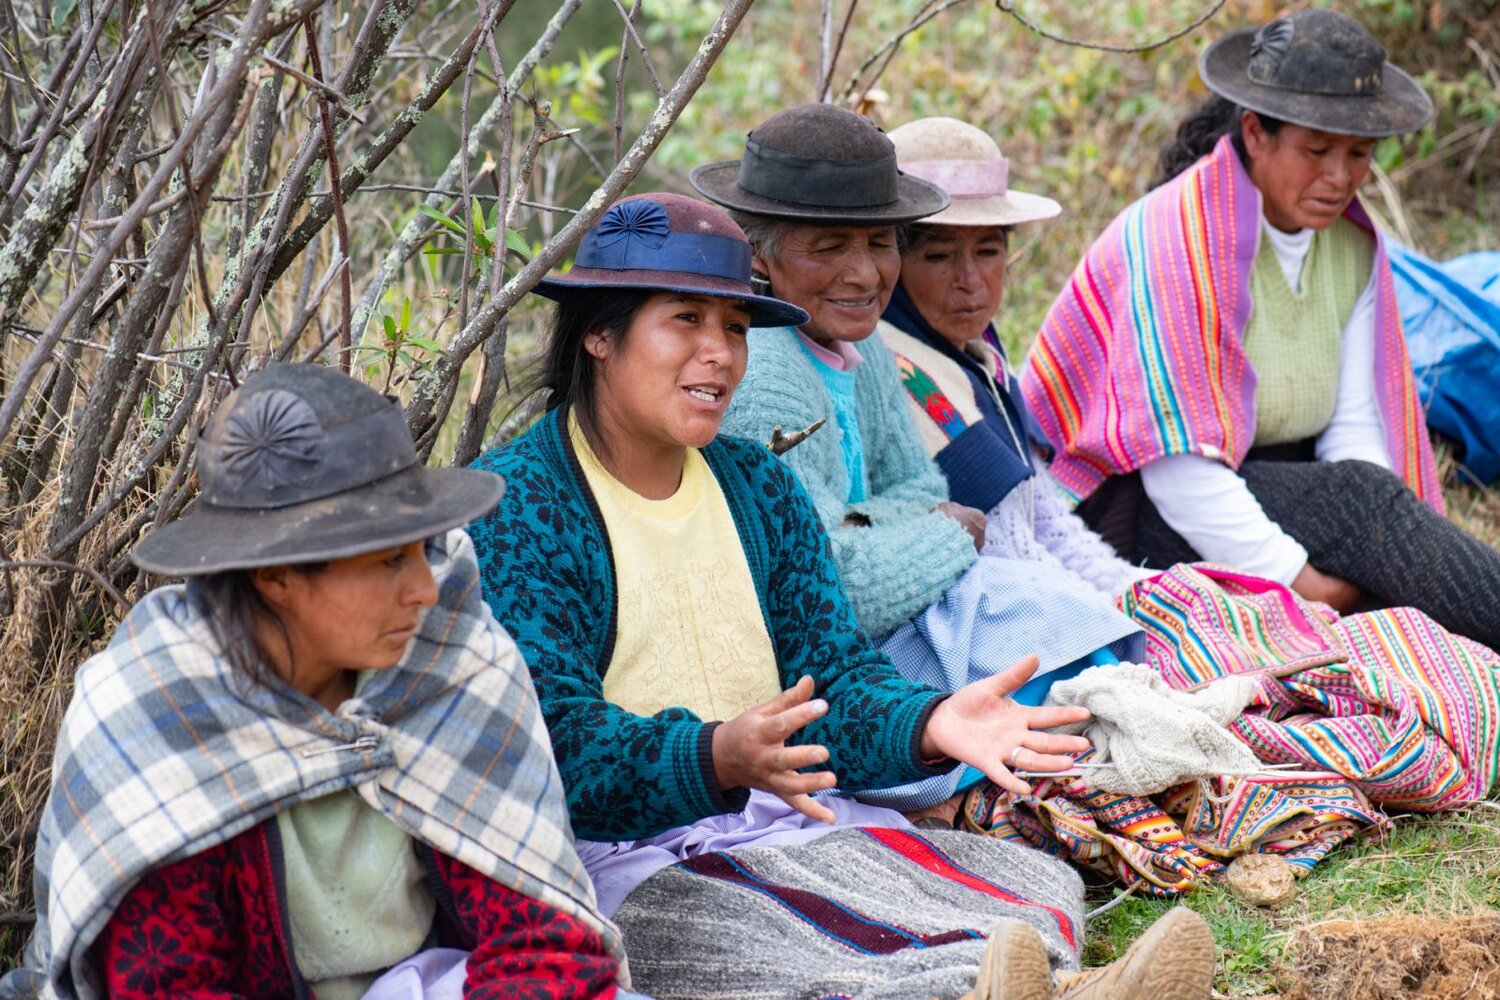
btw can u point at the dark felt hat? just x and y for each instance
(1316, 68)
(670, 243)
(301, 464)
(819, 163)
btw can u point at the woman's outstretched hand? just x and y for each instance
(750, 751)
(981, 726)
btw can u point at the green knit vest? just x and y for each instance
(1294, 341)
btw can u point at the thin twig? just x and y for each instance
(629, 19)
(833, 60)
(346, 345)
(314, 83)
(71, 567)
(1009, 7)
(887, 50)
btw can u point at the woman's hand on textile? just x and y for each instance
(981, 726)
(750, 751)
(971, 519)
(1334, 591)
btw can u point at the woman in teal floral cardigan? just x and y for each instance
(669, 776)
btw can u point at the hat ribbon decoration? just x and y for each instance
(1268, 48)
(270, 441)
(964, 178)
(637, 235)
(643, 220)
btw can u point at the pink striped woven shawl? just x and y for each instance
(1141, 357)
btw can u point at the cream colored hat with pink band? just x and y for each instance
(965, 162)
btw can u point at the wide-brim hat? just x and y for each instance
(304, 464)
(966, 163)
(819, 163)
(670, 243)
(1320, 69)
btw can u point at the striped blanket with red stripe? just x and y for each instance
(862, 911)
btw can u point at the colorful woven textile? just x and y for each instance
(1169, 843)
(938, 407)
(1389, 699)
(1140, 357)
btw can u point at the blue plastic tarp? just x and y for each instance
(1451, 313)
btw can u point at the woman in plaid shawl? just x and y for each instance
(319, 758)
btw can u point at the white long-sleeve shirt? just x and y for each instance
(1209, 505)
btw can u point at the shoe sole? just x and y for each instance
(1015, 966)
(1180, 950)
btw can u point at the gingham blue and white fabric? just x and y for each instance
(165, 751)
(997, 612)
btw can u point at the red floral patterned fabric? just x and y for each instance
(211, 926)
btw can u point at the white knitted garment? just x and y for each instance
(1034, 522)
(1152, 737)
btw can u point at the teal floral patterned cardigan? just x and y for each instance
(548, 574)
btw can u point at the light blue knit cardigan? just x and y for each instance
(909, 554)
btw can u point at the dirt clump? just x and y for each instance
(1396, 958)
(1262, 880)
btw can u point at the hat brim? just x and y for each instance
(415, 503)
(915, 199)
(764, 309)
(1009, 209)
(1400, 106)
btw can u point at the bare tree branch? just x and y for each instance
(423, 413)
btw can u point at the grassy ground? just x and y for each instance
(1429, 865)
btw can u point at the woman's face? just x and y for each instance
(842, 275)
(1306, 177)
(358, 613)
(667, 382)
(956, 276)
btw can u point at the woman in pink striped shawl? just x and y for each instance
(1225, 376)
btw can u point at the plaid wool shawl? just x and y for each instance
(165, 751)
(1141, 355)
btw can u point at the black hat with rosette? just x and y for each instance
(1316, 68)
(301, 464)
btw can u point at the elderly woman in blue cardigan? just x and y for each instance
(705, 683)
(908, 548)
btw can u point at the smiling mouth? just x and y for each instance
(864, 303)
(705, 394)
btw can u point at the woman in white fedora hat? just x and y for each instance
(974, 423)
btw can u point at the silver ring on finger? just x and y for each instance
(1016, 752)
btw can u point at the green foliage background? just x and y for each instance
(1081, 125)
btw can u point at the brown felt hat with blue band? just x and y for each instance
(303, 464)
(1320, 69)
(819, 164)
(670, 243)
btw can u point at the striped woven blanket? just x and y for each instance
(862, 911)
(1389, 699)
(1383, 708)
(1140, 357)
